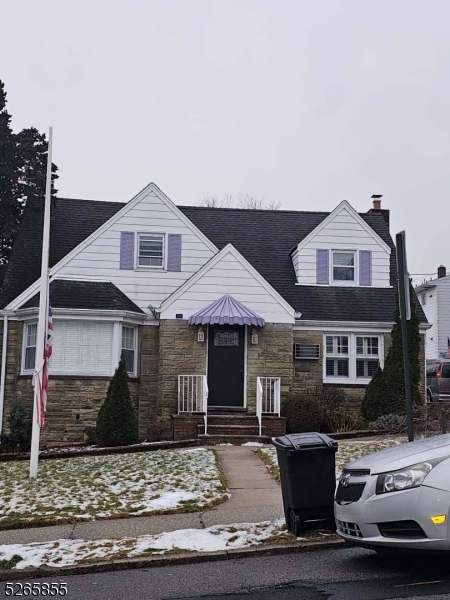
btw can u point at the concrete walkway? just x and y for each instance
(255, 497)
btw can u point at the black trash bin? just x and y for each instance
(308, 480)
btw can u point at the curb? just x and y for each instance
(163, 561)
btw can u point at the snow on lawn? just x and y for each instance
(70, 552)
(111, 486)
(347, 452)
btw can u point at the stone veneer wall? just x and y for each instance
(148, 376)
(271, 357)
(179, 354)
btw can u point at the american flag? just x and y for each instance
(41, 396)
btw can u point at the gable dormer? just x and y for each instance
(342, 251)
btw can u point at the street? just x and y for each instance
(344, 573)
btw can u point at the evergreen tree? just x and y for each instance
(385, 394)
(23, 166)
(9, 206)
(117, 422)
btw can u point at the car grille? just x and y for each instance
(401, 529)
(349, 493)
(351, 529)
(357, 473)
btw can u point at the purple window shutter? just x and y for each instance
(127, 250)
(174, 252)
(322, 266)
(365, 267)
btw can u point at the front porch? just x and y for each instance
(214, 425)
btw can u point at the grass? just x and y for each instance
(347, 452)
(112, 486)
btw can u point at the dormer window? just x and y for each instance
(343, 266)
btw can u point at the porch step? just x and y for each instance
(232, 429)
(236, 440)
(233, 420)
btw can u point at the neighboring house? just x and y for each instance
(215, 310)
(434, 296)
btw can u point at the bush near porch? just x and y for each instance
(321, 409)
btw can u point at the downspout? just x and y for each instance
(3, 370)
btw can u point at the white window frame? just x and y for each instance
(164, 251)
(355, 267)
(115, 350)
(352, 356)
(132, 373)
(24, 346)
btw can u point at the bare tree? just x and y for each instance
(229, 201)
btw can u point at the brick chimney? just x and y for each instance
(442, 271)
(376, 200)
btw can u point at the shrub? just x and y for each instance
(392, 423)
(161, 429)
(303, 412)
(117, 422)
(91, 438)
(20, 425)
(323, 409)
(385, 393)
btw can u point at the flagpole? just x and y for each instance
(43, 311)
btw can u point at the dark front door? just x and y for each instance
(226, 365)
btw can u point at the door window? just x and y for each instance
(226, 338)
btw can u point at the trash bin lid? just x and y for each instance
(305, 441)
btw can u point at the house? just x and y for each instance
(216, 311)
(434, 296)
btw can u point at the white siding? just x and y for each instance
(430, 310)
(228, 276)
(443, 311)
(343, 232)
(100, 259)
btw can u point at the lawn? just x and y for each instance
(111, 486)
(347, 451)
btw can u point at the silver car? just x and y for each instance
(397, 498)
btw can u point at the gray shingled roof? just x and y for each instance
(93, 295)
(265, 238)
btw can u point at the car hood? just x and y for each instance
(403, 455)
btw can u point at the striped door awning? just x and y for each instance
(226, 311)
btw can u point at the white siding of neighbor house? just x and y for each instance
(343, 232)
(431, 312)
(100, 259)
(443, 311)
(228, 276)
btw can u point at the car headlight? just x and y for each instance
(405, 479)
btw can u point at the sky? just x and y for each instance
(302, 102)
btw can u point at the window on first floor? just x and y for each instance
(128, 350)
(351, 357)
(84, 347)
(30, 346)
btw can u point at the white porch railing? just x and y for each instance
(267, 397)
(193, 395)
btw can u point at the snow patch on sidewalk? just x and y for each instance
(66, 552)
